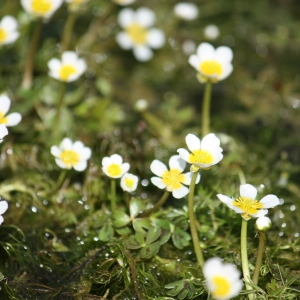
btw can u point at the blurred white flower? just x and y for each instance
(114, 167)
(247, 205)
(211, 32)
(69, 68)
(3, 132)
(129, 182)
(71, 155)
(263, 223)
(188, 47)
(11, 119)
(137, 34)
(8, 30)
(141, 105)
(124, 2)
(212, 64)
(173, 180)
(205, 153)
(186, 10)
(3, 208)
(222, 279)
(41, 8)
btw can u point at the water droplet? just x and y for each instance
(281, 215)
(292, 207)
(281, 201)
(281, 233)
(34, 209)
(67, 230)
(296, 234)
(283, 225)
(95, 239)
(145, 182)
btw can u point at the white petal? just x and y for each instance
(55, 151)
(158, 182)
(81, 66)
(158, 168)
(86, 153)
(184, 154)
(156, 38)
(116, 159)
(206, 51)
(66, 144)
(11, 38)
(188, 178)
(3, 131)
(209, 142)
(176, 162)
(145, 17)
(224, 54)
(125, 168)
(61, 164)
(269, 201)
(3, 207)
(106, 161)
(69, 58)
(4, 104)
(225, 199)
(126, 17)
(192, 142)
(227, 70)
(54, 65)
(248, 190)
(80, 166)
(260, 213)
(13, 119)
(181, 192)
(124, 40)
(9, 23)
(194, 61)
(142, 53)
(1, 220)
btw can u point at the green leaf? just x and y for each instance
(152, 235)
(149, 250)
(104, 86)
(135, 241)
(120, 218)
(106, 232)
(136, 206)
(165, 230)
(123, 231)
(74, 97)
(175, 287)
(140, 225)
(1, 276)
(180, 238)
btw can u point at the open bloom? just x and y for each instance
(11, 119)
(71, 155)
(129, 182)
(69, 68)
(172, 180)
(222, 280)
(3, 208)
(124, 2)
(41, 8)
(212, 64)
(247, 205)
(205, 153)
(137, 34)
(3, 132)
(186, 10)
(114, 167)
(8, 30)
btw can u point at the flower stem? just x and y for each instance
(193, 226)
(206, 109)
(27, 76)
(113, 197)
(60, 101)
(67, 34)
(260, 254)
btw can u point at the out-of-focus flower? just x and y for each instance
(186, 10)
(129, 182)
(8, 30)
(211, 32)
(11, 119)
(114, 167)
(205, 153)
(137, 34)
(247, 205)
(222, 279)
(3, 132)
(212, 64)
(124, 2)
(41, 8)
(141, 105)
(69, 68)
(172, 180)
(263, 223)
(3, 208)
(71, 155)
(188, 47)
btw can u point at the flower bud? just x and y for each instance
(263, 223)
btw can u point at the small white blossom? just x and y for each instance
(10, 119)
(3, 208)
(222, 279)
(41, 8)
(8, 30)
(114, 167)
(211, 32)
(186, 10)
(129, 182)
(124, 2)
(71, 155)
(69, 68)
(3, 132)
(263, 223)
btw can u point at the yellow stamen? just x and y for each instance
(210, 68)
(3, 35)
(41, 6)
(69, 157)
(173, 179)
(129, 182)
(137, 33)
(202, 157)
(3, 119)
(222, 286)
(248, 205)
(114, 170)
(66, 71)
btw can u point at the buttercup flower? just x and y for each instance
(114, 167)
(138, 35)
(263, 223)
(8, 30)
(186, 10)
(70, 68)
(71, 155)
(172, 180)
(129, 182)
(11, 119)
(205, 153)
(124, 2)
(41, 8)
(211, 32)
(222, 280)
(212, 64)
(247, 205)
(3, 208)
(3, 132)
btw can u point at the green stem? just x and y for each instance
(113, 198)
(260, 254)
(193, 225)
(27, 76)
(60, 101)
(206, 109)
(59, 182)
(161, 202)
(67, 34)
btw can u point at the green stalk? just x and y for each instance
(67, 34)
(260, 253)
(193, 225)
(60, 101)
(206, 109)
(113, 197)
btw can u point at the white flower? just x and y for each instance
(137, 35)
(114, 167)
(222, 280)
(41, 8)
(70, 68)
(129, 182)
(205, 153)
(11, 119)
(8, 30)
(212, 64)
(263, 223)
(71, 155)
(211, 32)
(186, 10)
(3, 132)
(172, 180)
(247, 205)
(124, 2)
(3, 208)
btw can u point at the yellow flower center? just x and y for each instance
(129, 182)
(66, 71)
(114, 170)
(222, 286)
(173, 179)
(41, 7)
(137, 33)
(248, 205)
(210, 68)
(3, 35)
(3, 119)
(69, 158)
(202, 157)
